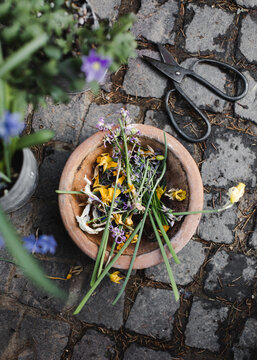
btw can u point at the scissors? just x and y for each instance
(177, 73)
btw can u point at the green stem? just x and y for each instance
(126, 153)
(106, 270)
(102, 248)
(4, 177)
(142, 225)
(165, 236)
(144, 177)
(69, 192)
(7, 260)
(111, 253)
(227, 206)
(7, 159)
(166, 261)
(22, 54)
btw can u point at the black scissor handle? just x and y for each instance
(174, 123)
(212, 87)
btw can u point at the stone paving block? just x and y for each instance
(156, 20)
(248, 37)
(99, 308)
(247, 3)
(9, 326)
(246, 108)
(110, 113)
(141, 353)
(93, 346)
(158, 305)
(204, 319)
(230, 276)
(5, 268)
(26, 293)
(141, 79)
(191, 258)
(207, 25)
(199, 94)
(48, 338)
(106, 9)
(65, 119)
(234, 160)
(253, 239)
(23, 218)
(161, 120)
(217, 227)
(50, 172)
(247, 341)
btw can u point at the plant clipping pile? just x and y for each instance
(126, 193)
(127, 188)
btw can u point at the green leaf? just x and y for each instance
(40, 137)
(24, 260)
(23, 53)
(165, 259)
(53, 52)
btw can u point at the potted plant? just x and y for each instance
(134, 181)
(41, 42)
(68, 52)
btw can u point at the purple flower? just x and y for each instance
(100, 125)
(2, 243)
(94, 66)
(10, 125)
(42, 245)
(118, 234)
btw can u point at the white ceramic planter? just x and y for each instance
(25, 185)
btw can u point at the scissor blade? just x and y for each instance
(166, 55)
(176, 73)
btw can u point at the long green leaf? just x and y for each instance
(167, 240)
(143, 222)
(37, 138)
(26, 261)
(102, 248)
(165, 259)
(22, 54)
(106, 270)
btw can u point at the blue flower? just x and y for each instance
(42, 245)
(10, 125)
(2, 243)
(95, 66)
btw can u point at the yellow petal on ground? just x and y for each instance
(129, 220)
(160, 191)
(118, 218)
(115, 277)
(236, 192)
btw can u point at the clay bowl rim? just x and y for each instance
(190, 222)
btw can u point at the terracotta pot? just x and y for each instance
(25, 185)
(182, 172)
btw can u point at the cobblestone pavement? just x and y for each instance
(216, 316)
